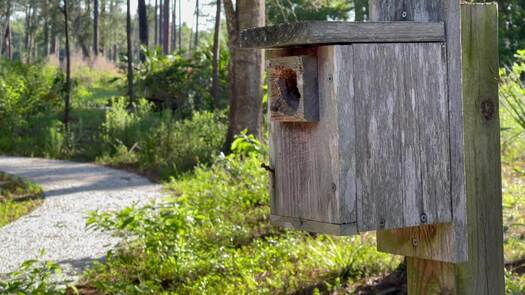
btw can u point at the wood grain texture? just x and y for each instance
(293, 95)
(345, 229)
(307, 182)
(402, 155)
(445, 238)
(322, 33)
(483, 272)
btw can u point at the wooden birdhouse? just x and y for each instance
(367, 126)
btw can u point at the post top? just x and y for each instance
(319, 33)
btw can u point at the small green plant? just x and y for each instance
(212, 235)
(35, 277)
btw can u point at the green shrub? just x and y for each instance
(157, 141)
(34, 277)
(212, 236)
(180, 83)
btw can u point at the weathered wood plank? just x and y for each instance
(437, 240)
(483, 272)
(319, 33)
(403, 174)
(307, 181)
(346, 229)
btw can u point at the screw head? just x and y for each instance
(423, 218)
(404, 14)
(382, 223)
(414, 242)
(334, 187)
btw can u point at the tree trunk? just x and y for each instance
(130, 56)
(143, 27)
(161, 20)
(156, 42)
(246, 70)
(67, 99)
(196, 44)
(166, 27)
(45, 11)
(174, 26)
(95, 28)
(216, 56)
(180, 25)
(6, 46)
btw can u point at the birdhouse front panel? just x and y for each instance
(378, 156)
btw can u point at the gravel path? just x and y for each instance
(58, 226)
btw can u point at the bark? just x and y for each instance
(174, 26)
(95, 28)
(166, 27)
(161, 20)
(67, 99)
(130, 56)
(143, 26)
(197, 14)
(156, 23)
(246, 70)
(180, 25)
(6, 45)
(45, 11)
(216, 56)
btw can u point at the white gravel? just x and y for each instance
(59, 225)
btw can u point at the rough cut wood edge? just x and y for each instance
(483, 273)
(318, 33)
(441, 243)
(346, 229)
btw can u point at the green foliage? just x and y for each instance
(512, 90)
(180, 83)
(17, 198)
(157, 141)
(212, 236)
(34, 277)
(284, 11)
(28, 95)
(511, 15)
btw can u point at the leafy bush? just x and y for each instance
(180, 83)
(512, 89)
(34, 277)
(213, 236)
(157, 141)
(29, 95)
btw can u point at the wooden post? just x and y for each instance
(482, 273)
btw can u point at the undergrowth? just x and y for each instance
(17, 198)
(212, 235)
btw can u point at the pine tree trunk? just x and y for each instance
(6, 45)
(166, 27)
(216, 56)
(196, 44)
(180, 25)
(174, 26)
(45, 11)
(95, 29)
(156, 42)
(67, 99)
(130, 56)
(161, 19)
(143, 26)
(246, 70)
